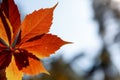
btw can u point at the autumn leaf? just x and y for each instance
(12, 13)
(44, 46)
(39, 25)
(23, 44)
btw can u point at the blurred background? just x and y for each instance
(94, 28)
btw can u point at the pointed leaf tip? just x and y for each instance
(55, 5)
(68, 42)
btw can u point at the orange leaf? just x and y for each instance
(28, 63)
(12, 72)
(24, 62)
(36, 23)
(44, 46)
(35, 67)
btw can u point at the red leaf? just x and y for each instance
(21, 58)
(3, 34)
(12, 13)
(5, 59)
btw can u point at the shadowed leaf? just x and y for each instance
(28, 63)
(5, 59)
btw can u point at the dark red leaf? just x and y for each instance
(5, 58)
